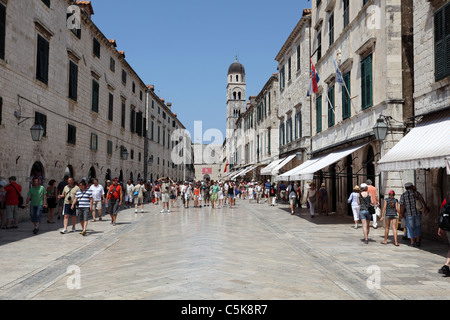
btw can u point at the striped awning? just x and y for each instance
(426, 146)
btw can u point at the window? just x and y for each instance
(289, 69)
(159, 134)
(94, 142)
(111, 107)
(71, 134)
(319, 45)
(112, 64)
(331, 105)
(442, 42)
(133, 121)
(346, 113)
(319, 114)
(2, 31)
(123, 114)
(139, 119)
(41, 119)
(152, 136)
(124, 77)
(74, 28)
(43, 48)
(132, 154)
(73, 80)
(298, 125)
(109, 147)
(298, 58)
(133, 87)
(331, 24)
(95, 95)
(346, 12)
(96, 48)
(1, 109)
(366, 82)
(282, 79)
(289, 130)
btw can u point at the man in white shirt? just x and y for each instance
(98, 197)
(129, 194)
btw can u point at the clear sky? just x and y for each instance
(184, 48)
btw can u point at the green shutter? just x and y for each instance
(95, 95)
(366, 83)
(442, 42)
(346, 111)
(331, 107)
(319, 114)
(2, 31)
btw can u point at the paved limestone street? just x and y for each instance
(250, 252)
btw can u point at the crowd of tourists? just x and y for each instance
(88, 200)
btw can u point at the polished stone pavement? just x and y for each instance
(249, 252)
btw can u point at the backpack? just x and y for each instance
(444, 217)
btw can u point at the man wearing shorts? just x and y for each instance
(98, 198)
(68, 194)
(139, 198)
(84, 199)
(165, 196)
(115, 198)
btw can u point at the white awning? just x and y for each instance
(235, 174)
(245, 171)
(308, 172)
(448, 166)
(267, 171)
(290, 175)
(282, 164)
(426, 146)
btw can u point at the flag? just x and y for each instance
(339, 78)
(226, 166)
(313, 87)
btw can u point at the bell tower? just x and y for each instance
(236, 101)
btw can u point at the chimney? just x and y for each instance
(169, 105)
(151, 87)
(86, 7)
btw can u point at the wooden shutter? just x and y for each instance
(111, 107)
(95, 95)
(345, 97)
(73, 80)
(330, 107)
(42, 59)
(439, 44)
(366, 82)
(319, 114)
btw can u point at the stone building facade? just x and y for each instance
(76, 84)
(371, 42)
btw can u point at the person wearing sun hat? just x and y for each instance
(353, 201)
(390, 212)
(413, 216)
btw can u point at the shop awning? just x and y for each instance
(308, 172)
(267, 171)
(245, 171)
(279, 166)
(426, 146)
(290, 175)
(236, 173)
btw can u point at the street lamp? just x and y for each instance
(380, 129)
(37, 132)
(124, 154)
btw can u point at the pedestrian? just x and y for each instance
(165, 193)
(323, 199)
(390, 211)
(365, 201)
(60, 189)
(273, 195)
(149, 193)
(188, 195)
(36, 201)
(68, 194)
(98, 199)
(83, 204)
(138, 194)
(115, 198)
(250, 194)
(292, 194)
(3, 204)
(299, 195)
(267, 187)
(230, 193)
(12, 197)
(51, 200)
(258, 192)
(408, 209)
(214, 194)
(107, 186)
(353, 201)
(374, 194)
(445, 207)
(129, 194)
(311, 197)
(157, 192)
(173, 194)
(282, 189)
(220, 195)
(196, 195)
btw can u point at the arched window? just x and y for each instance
(239, 95)
(231, 78)
(234, 95)
(237, 78)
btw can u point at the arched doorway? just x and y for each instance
(206, 177)
(37, 171)
(334, 191)
(92, 174)
(370, 167)
(69, 171)
(121, 176)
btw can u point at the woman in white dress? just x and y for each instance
(220, 195)
(312, 198)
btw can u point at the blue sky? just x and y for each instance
(184, 48)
